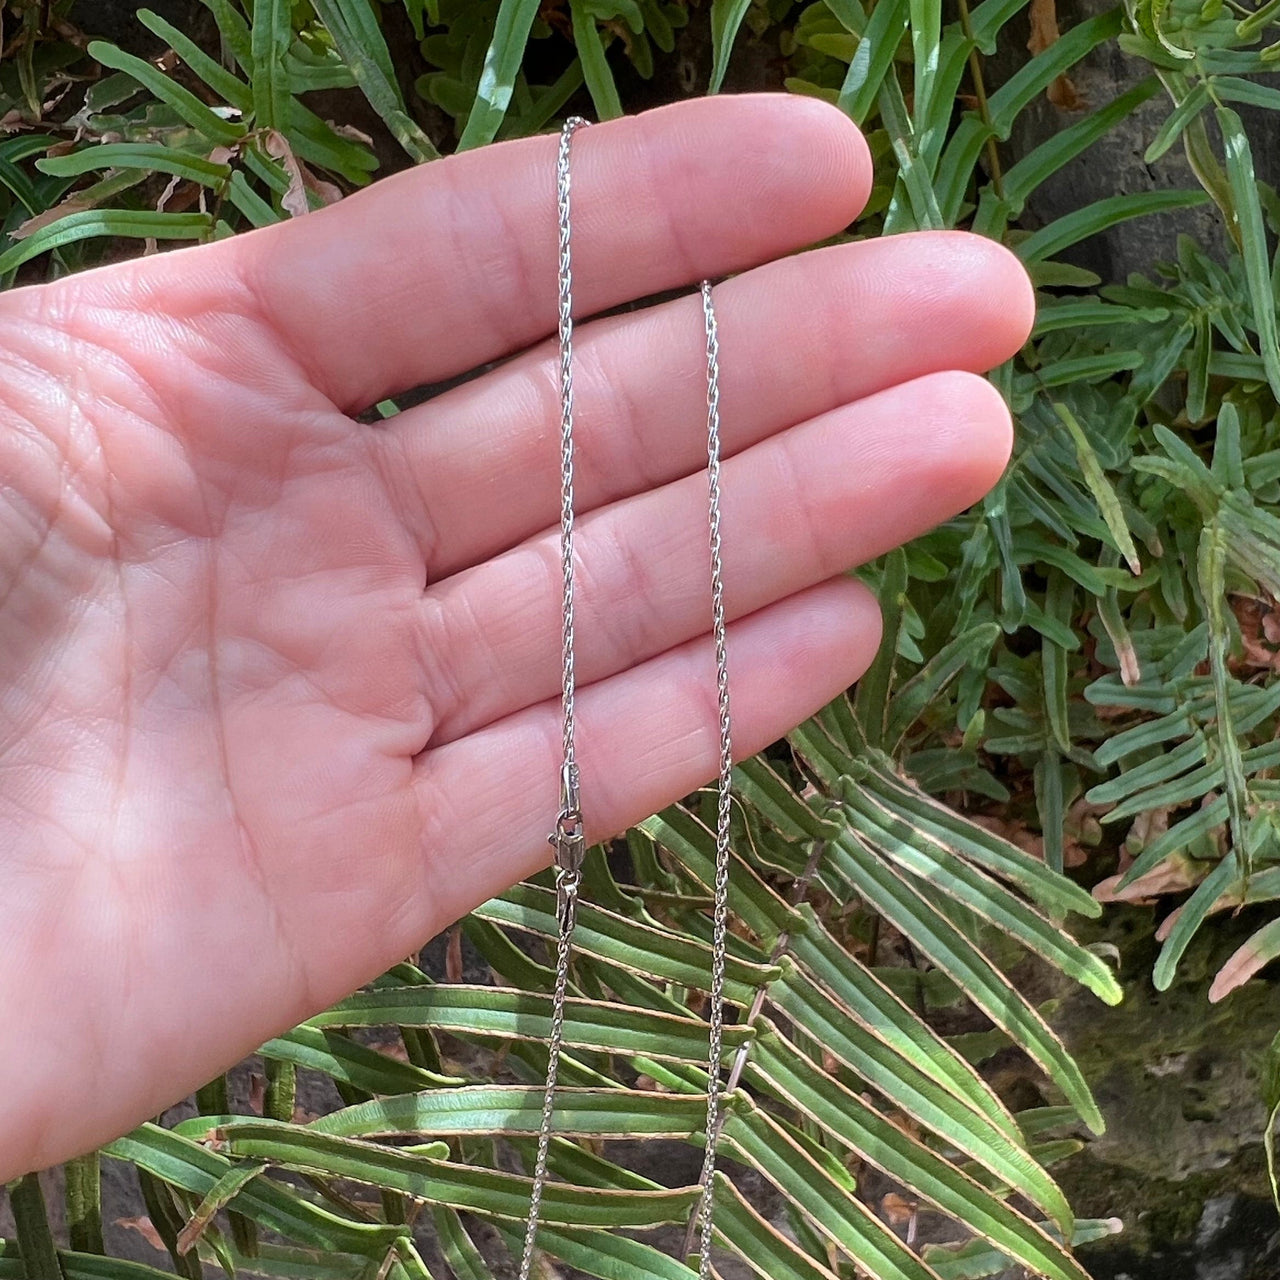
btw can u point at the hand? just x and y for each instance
(279, 689)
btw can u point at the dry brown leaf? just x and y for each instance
(351, 133)
(896, 1210)
(1259, 635)
(145, 1228)
(1044, 25)
(453, 967)
(1147, 826)
(327, 191)
(1065, 96)
(294, 200)
(1044, 32)
(1242, 966)
(1015, 832)
(72, 204)
(1173, 875)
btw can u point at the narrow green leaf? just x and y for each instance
(871, 699)
(1052, 316)
(194, 1168)
(31, 1222)
(764, 1144)
(1213, 589)
(503, 1109)
(91, 223)
(953, 1118)
(349, 1062)
(154, 157)
(217, 1198)
(944, 873)
(933, 934)
(641, 948)
(234, 31)
(183, 101)
(502, 1014)
(1099, 216)
(913, 172)
(1020, 90)
(1178, 119)
(1043, 161)
(355, 30)
(758, 1243)
(873, 58)
(258, 212)
(595, 65)
(968, 649)
(459, 1250)
(223, 82)
(862, 997)
(601, 1253)
(272, 33)
(468, 1188)
(317, 143)
(1104, 493)
(1253, 240)
(788, 1074)
(1054, 892)
(501, 66)
(726, 19)
(1191, 916)
(1054, 659)
(926, 41)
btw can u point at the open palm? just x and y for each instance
(278, 688)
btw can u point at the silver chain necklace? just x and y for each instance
(568, 838)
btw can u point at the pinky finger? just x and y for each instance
(646, 737)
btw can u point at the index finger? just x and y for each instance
(434, 271)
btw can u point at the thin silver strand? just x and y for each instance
(724, 792)
(567, 838)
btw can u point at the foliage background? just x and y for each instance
(1076, 689)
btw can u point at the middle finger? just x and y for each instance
(797, 509)
(476, 471)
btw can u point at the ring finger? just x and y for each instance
(797, 508)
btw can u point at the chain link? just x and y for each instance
(567, 837)
(571, 126)
(724, 795)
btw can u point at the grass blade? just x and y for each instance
(92, 223)
(201, 118)
(595, 65)
(501, 66)
(726, 19)
(1253, 240)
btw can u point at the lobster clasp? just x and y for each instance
(569, 838)
(570, 843)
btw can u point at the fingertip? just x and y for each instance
(1017, 290)
(984, 427)
(839, 159)
(794, 168)
(1010, 297)
(831, 638)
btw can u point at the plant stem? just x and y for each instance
(31, 1220)
(980, 92)
(84, 1204)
